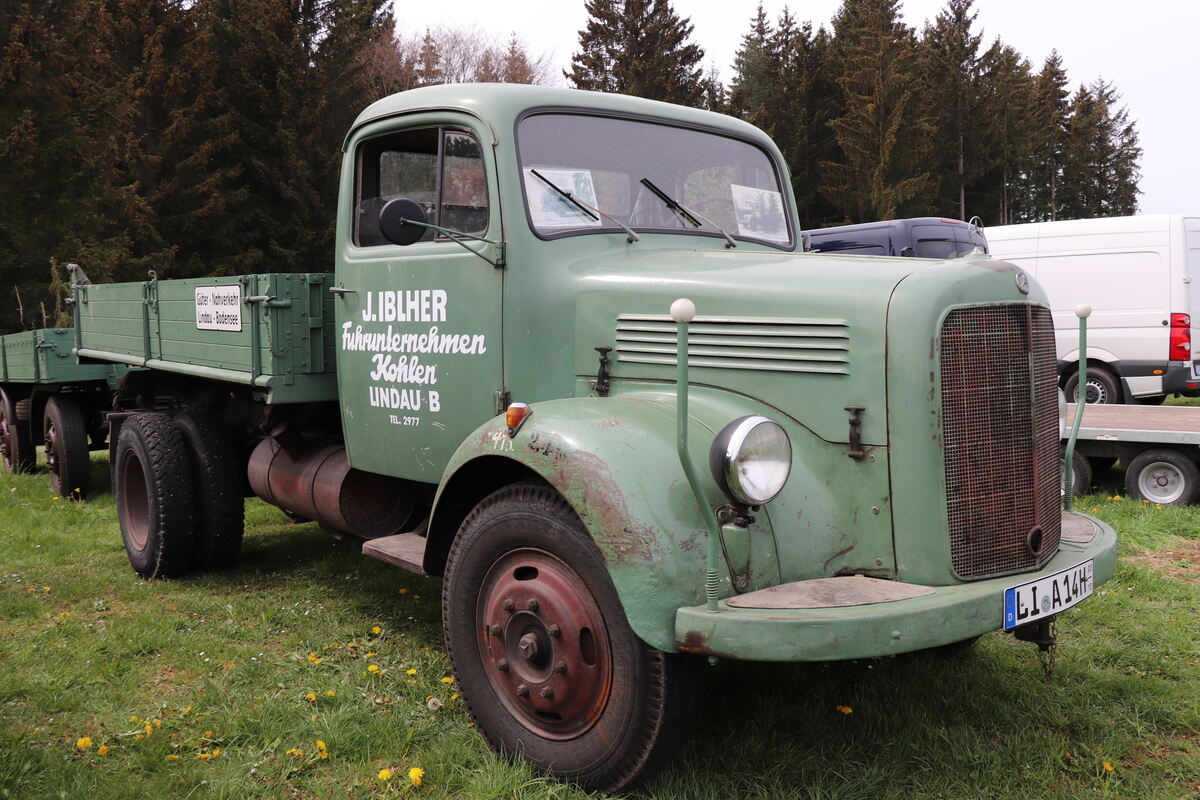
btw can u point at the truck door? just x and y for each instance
(418, 337)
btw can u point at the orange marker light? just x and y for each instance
(516, 414)
(1158, 372)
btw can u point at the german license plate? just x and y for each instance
(1047, 595)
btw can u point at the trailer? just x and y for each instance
(1158, 447)
(48, 397)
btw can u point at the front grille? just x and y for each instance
(1000, 428)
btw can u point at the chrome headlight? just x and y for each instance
(751, 459)
(1062, 414)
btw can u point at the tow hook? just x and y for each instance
(1043, 633)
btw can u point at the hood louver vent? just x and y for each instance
(751, 343)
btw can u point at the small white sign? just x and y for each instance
(759, 213)
(219, 308)
(549, 209)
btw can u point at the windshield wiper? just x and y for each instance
(591, 211)
(687, 214)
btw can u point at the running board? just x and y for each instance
(404, 550)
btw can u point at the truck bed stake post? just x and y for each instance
(1083, 311)
(683, 311)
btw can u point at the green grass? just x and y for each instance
(226, 661)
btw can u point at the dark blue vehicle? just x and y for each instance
(919, 237)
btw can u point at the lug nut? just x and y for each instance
(522, 691)
(560, 667)
(546, 692)
(494, 630)
(502, 665)
(532, 605)
(554, 630)
(508, 605)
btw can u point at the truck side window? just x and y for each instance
(440, 169)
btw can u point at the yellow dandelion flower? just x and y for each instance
(447, 679)
(56, 497)
(416, 774)
(1108, 767)
(404, 591)
(208, 734)
(83, 743)
(376, 629)
(312, 698)
(158, 723)
(321, 745)
(385, 774)
(313, 718)
(296, 752)
(416, 597)
(187, 710)
(134, 719)
(369, 655)
(216, 752)
(204, 756)
(845, 709)
(138, 737)
(330, 693)
(45, 588)
(351, 645)
(410, 672)
(64, 613)
(372, 668)
(102, 750)
(454, 696)
(172, 757)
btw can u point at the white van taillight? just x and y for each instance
(1181, 337)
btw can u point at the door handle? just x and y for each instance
(342, 290)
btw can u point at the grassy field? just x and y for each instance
(309, 672)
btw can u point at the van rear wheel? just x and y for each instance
(1102, 386)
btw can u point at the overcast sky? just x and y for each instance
(1148, 49)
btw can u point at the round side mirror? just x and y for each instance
(395, 218)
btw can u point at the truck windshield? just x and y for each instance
(602, 161)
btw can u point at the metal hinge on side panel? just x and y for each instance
(503, 400)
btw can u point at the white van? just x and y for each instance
(1137, 273)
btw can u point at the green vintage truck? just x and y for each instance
(48, 398)
(572, 359)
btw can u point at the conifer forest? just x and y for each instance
(202, 137)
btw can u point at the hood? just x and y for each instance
(802, 333)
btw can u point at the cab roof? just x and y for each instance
(500, 104)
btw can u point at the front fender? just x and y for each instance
(614, 460)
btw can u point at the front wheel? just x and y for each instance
(1163, 476)
(546, 660)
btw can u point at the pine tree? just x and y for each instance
(1006, 108)
(1050, 115)
(950, 56)
(638, 47)
(884, 133)
(428, 71)
(1100, 172)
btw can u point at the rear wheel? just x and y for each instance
(67, 455)
(1102, 386)
(220, 505)
(1163, 476)
(16, 440)
(155, 499)
(546, 660)
(1081, 479)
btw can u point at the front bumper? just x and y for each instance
(946, 614)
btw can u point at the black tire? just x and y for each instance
(1102, 386)
(68, 459)
(220, 505)
(1163, 476)
(156, 503)
(617, 707)
(16, 439)
(1081, 479)
(1101, 464)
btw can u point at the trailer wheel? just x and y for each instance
(67, 456)
(546, 661)
(155, 499)
(220, 504)
(16, 440)
(1101, 463)
(1081, 478)
(1163, 476)
(1102, 386)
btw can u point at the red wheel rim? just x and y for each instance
(6, 439)
(135, 504)
(544, 644)
(52, 453)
